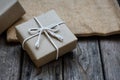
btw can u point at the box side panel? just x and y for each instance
(10, 16)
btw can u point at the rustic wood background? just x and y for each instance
(95, 58)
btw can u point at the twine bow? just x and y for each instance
(49, 31)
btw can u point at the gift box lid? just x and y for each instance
(5, 5)
(45, 46)
(10, 11)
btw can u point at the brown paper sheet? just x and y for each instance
(83, 17)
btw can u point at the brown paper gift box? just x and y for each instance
(10, 11)
(46, 52)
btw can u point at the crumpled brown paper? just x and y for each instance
(83, 17)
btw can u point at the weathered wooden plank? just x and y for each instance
(9, 60)
(118, 2)
(84, 63)
(110, 50)
(50, 71)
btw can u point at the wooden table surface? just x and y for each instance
(95, 58)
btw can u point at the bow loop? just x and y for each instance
(50, 30)
(39, 31)
(60, 38)
(32, 31)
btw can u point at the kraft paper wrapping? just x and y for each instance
(84, 17)
(10, 11)
(46, 51)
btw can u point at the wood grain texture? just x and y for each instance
(81, 64)
(85, 63)
(110, 50)
(83, 17)
(50, 71)
(9, 60)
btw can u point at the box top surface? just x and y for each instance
(45, 46)
(5, 5)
